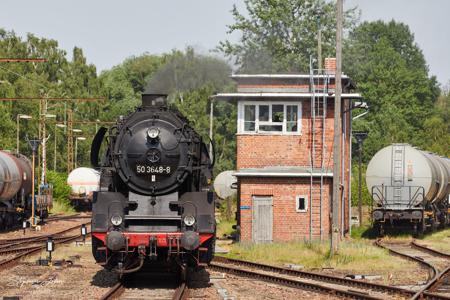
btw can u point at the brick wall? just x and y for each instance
(258, 151)
(288, 224)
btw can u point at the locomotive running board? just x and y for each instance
(147, 217)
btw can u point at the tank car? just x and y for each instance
(409, 187)
(15, 190)
(154, 204)
(83, 183)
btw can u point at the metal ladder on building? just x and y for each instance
(319, 88)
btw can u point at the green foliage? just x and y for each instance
(366, 198)
(391, 73)
(281, 35)
(61, 192)
(58, 77)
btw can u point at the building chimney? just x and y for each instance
(330, 65)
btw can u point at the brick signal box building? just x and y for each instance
(285, 155)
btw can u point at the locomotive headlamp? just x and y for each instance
(116, 220)
(153, 132)
(189, 220)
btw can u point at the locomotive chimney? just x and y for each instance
(149, 100)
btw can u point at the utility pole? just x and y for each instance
(319, 39)
(360, 136)
(335, 234)
(34, 144)
(69, 141)
(211, 116)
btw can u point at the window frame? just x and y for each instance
(297, 202)
(241, 119)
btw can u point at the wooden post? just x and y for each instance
(335, 234)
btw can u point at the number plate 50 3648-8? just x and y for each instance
(143, 169)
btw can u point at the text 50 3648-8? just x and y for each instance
(143, 169)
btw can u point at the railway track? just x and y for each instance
(22, 248)
(439, 286)
(311, 281)
(5, 243)
(119, 290)
(71, 217)
(433, 260)
(437, 262)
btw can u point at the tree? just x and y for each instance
(391, 73)
(58, 77)
(281, 35)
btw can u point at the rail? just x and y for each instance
(432, 269)
(8, 263)
(319, 277)
(345, 287)
(180, 293)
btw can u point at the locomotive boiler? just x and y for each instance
(409, 187)
(154, 204)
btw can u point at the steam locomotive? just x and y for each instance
(154, 204)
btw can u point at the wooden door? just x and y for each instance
(262, 222)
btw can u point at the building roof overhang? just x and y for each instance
(271, 96)
(286, 76)
(283, 172)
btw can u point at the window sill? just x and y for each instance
(269, 133)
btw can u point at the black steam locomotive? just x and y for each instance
(154, 204)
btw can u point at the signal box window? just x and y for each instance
(249, 118)
(264, 117)
(301, 203)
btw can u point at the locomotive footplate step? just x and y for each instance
(153, 244)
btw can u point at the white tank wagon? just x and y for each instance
(83, 183)
(408, 185)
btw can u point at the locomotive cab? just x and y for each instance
(154, 202)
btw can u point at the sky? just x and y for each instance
(109, 31)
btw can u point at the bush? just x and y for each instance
(366, 198)
(61, 192)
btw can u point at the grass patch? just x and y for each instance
(61, 207)
(353, 256)
(439, 240)
(225, 227)
(363, 232)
